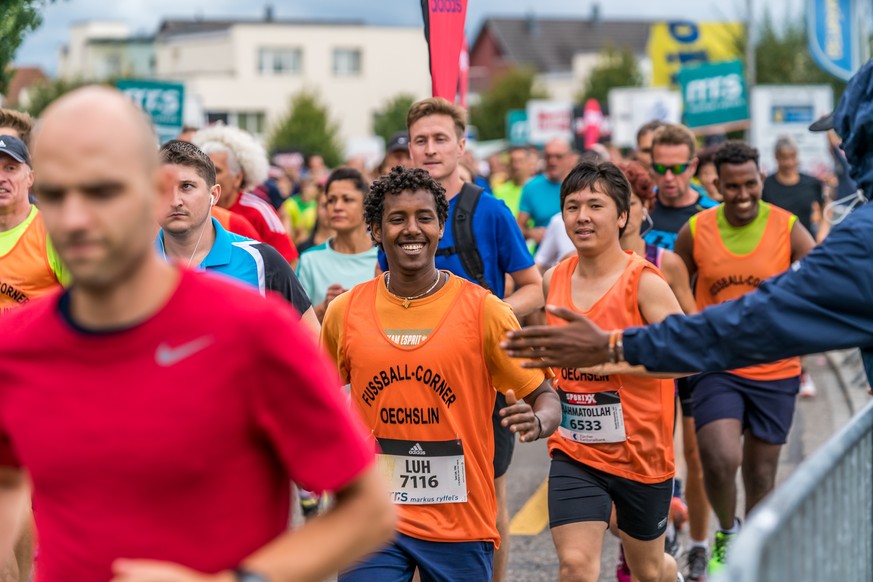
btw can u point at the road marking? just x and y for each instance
(533, 518)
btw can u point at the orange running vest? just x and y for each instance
(25, 273)
(433, 398)
(646, 454)
(723, 276)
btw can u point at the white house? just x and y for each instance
(245, 72)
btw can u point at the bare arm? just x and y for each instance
(310, 319)
(801, 241)
(676, 273)
(14, 500)
(530, 232)
(528, 295)
(684, 247)
(361, 521)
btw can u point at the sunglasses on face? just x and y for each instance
(675, 168)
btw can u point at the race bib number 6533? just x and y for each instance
(591, 417)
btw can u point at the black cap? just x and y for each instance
(14, 148)
(399, 141)
(825, 123)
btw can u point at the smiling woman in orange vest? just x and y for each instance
(420, 348)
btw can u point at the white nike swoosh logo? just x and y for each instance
(168, 356)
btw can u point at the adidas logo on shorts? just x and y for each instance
(417, 450)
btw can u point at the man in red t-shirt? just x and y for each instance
(160, 413)
(240, 165)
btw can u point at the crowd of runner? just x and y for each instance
(348, 337)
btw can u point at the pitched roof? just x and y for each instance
(177, 26)
(548, 45)
(23, 78)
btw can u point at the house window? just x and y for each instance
(280, 61)
(251, 121)
(216, 117)
(346, 62)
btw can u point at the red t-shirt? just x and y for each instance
(265, 220)
(176, 439)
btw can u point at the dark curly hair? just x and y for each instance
(399, 180)
(735, 152)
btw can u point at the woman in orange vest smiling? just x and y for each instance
(420, 348)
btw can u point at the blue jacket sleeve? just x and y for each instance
(821, 303)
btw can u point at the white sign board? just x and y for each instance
(786, 111)
(549, 120)
(631, 108)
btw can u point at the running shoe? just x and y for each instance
(671, 541)
(622, 572)
(697, 563)
(807, 386)
(718, 561)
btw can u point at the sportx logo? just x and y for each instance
(445, 5)
(583, 399)
(417, 450)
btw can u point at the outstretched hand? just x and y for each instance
(579, 344)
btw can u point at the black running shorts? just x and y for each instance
(580, 493)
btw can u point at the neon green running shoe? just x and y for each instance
(718, 561)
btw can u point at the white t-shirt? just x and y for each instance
(556, 244)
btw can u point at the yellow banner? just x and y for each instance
(674, 44)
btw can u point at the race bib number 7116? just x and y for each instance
(423, 472)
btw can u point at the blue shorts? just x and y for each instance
(764, 407)
(436, 562)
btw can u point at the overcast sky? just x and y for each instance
(41, 47)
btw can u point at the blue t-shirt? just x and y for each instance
(667, 221)
(498, 238)
(251, 262)
(540, 199)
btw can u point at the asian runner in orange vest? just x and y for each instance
(615, 441)
(742, 416)
(420, 349)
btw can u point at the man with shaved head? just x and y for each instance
(150, 404)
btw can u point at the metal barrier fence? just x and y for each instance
(817, 525)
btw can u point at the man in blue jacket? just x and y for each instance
(822, 303)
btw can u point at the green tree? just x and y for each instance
(512, 90)
(615, 68)
(17, 18)
(43, 94)
(309, 128)
(782, 56)
(392, 117)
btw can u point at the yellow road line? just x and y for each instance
(533, 518)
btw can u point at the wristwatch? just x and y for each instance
(243, 575)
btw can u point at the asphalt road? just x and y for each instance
(532, 556)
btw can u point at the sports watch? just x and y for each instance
(243, 575)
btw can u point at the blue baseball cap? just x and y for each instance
(14, 148)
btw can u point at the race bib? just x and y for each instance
(423, 472)
(591, 417)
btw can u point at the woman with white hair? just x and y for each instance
(241, 163)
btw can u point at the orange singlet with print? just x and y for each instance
(621, 425)
(723, 275)
(423, 379)
(25, 272)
